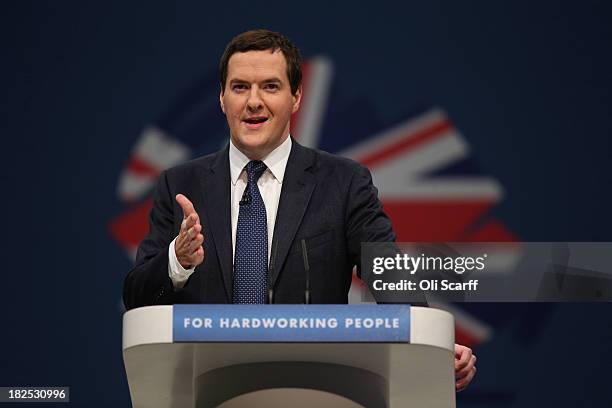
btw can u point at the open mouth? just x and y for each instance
(255, 122)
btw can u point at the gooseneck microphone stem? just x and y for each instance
(307, 269)
(271, 269)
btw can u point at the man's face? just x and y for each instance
(257, 101)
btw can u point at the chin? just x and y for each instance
(250, 143)
(253, 141)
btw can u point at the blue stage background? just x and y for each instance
(528, 84)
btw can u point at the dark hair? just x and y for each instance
(261, 40)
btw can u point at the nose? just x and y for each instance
(254, 103)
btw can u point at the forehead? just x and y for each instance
(257, 65)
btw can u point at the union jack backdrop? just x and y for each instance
(429, 182)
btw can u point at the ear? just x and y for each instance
(297, 98)
(221, 100)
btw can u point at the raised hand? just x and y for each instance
(188, 244)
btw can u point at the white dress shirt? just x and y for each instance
(269, 184)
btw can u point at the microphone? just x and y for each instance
(307, 269)
(271, 271)
(246, 197)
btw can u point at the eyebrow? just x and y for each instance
(265, 81)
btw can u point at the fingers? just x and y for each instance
(190, 252)
(462, 384)
(465, 370)
(190, 217)
(190, 227)
(188, 244)
(186, 205)
(465, 366)
(193, 245)
(189, 240)
(463, 356)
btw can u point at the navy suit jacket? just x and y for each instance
(325, 199)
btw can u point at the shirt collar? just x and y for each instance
(275, 161)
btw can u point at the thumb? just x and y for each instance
(185, 204)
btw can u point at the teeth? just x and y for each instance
(256, 120)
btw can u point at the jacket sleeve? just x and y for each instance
(367, 222)
(149, 283)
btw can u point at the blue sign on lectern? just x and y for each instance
(291, 323)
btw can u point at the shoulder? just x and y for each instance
(195, 166)
(325, 162)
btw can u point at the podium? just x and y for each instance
(259, 367)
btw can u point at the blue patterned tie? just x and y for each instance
(251, 254)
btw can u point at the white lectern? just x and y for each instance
(164, 373)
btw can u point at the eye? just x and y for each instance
(239, 87)
(272, 86)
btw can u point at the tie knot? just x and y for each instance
(255, 169)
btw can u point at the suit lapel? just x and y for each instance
(217, 202)
(298, 185)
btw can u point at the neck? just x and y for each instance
(260, 154)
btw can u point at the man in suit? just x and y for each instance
(235, 226)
